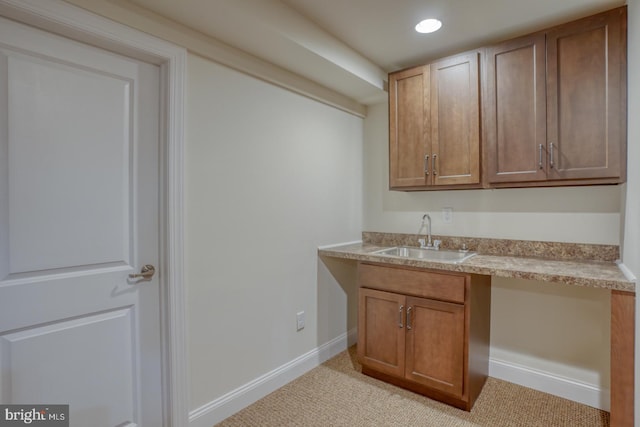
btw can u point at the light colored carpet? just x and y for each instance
(337, 394)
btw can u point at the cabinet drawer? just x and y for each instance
(426, 284)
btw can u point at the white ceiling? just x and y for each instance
(350, 45)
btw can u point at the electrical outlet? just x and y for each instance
(300, 320)
(447, 215)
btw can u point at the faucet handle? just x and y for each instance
(422, 243)
(436, 244)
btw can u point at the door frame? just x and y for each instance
(73, 22)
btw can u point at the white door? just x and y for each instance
(78, 214)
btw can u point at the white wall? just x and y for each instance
(270, 177)
(631, 244)
(555, 328)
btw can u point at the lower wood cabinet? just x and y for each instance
(425, 330)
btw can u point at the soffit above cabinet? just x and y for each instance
(350, 46)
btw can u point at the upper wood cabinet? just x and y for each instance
(434, 125)
(555, 105)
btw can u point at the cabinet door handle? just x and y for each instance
(426, 164)
(540, 157)
(400, 313)
(551, 155)
(409, 318)
(434, 164)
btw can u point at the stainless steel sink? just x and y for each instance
(451, 257)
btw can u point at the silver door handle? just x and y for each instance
(434, 164)
(146, 273)
(400, 313)
(551, 155)
(409, 317)
(540, 157)
(426, 164)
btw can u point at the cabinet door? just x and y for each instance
(455, 120)
(381, 332)
(515, 113)
(586, 101)
(435, 344)
(408, 127)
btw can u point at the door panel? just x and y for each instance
(37, 376)
(515, 115)
(47, 157)
(79, 174)
(585, 97)
(435, 344)
(409, 127)
(455, 120)
(381, 335)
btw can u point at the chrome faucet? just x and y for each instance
(428, 243)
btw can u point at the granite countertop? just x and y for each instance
(591, 273)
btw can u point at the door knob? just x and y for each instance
(146, 273)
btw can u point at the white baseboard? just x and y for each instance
(232, 402)
(238, 399)
(587, 394)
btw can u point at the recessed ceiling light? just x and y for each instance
(428, 26)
